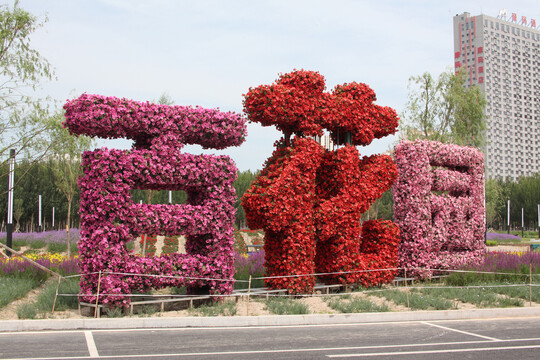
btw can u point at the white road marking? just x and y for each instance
(255, 352)
(249, 327)
(91, 344)
(401, 353)
(461, 331)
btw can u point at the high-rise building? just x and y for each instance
(502, 56)
(325, 141)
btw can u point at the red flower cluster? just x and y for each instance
(297, 103)
(309, 201)
(281, 201)
(349, 185)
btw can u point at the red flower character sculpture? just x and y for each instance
(308, 200)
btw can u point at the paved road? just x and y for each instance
(472, 339)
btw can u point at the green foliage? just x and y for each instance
(65, 163)
(285, 306)
(382, 208)
(491, 243)
(444, 110)
(22, 69)
(178, 291)
(33, 179)
(524, 193)
(242, 183)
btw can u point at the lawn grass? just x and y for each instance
(521, 292)
(480, 297)
(45, 300)
(353, 305)
(37, 244)
(13, 288)
(417, 300)
(284, 306)
(56, 248)
(226, 307)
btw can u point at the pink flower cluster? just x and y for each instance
(439, 205)
(153, 124)
(110, 219)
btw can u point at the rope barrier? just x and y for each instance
(255, 292)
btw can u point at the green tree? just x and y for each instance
(495, 201)
(444, 109)
(65, 163)
(22, 69)
(241, 184)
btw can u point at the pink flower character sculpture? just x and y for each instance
(110, 218)
(439, 205)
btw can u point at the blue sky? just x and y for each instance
(209, 53)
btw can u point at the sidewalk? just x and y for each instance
(273, 320)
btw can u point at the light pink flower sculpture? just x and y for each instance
(439, 205)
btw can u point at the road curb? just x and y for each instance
(272, 320)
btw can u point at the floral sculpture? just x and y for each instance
(109, 218)
(309, 201)
(439, 206)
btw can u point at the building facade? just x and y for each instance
(502, 56)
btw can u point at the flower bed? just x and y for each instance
(56, 236)
(499, 236)
(19, 267)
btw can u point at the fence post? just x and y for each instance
(96, 312)
(56, 295)
(530, 283)
(144, 245)
(249, 291)
(407, 290)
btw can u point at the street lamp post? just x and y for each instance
(39, 213)
(9, 225)
(508, 216)
(522, 221)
